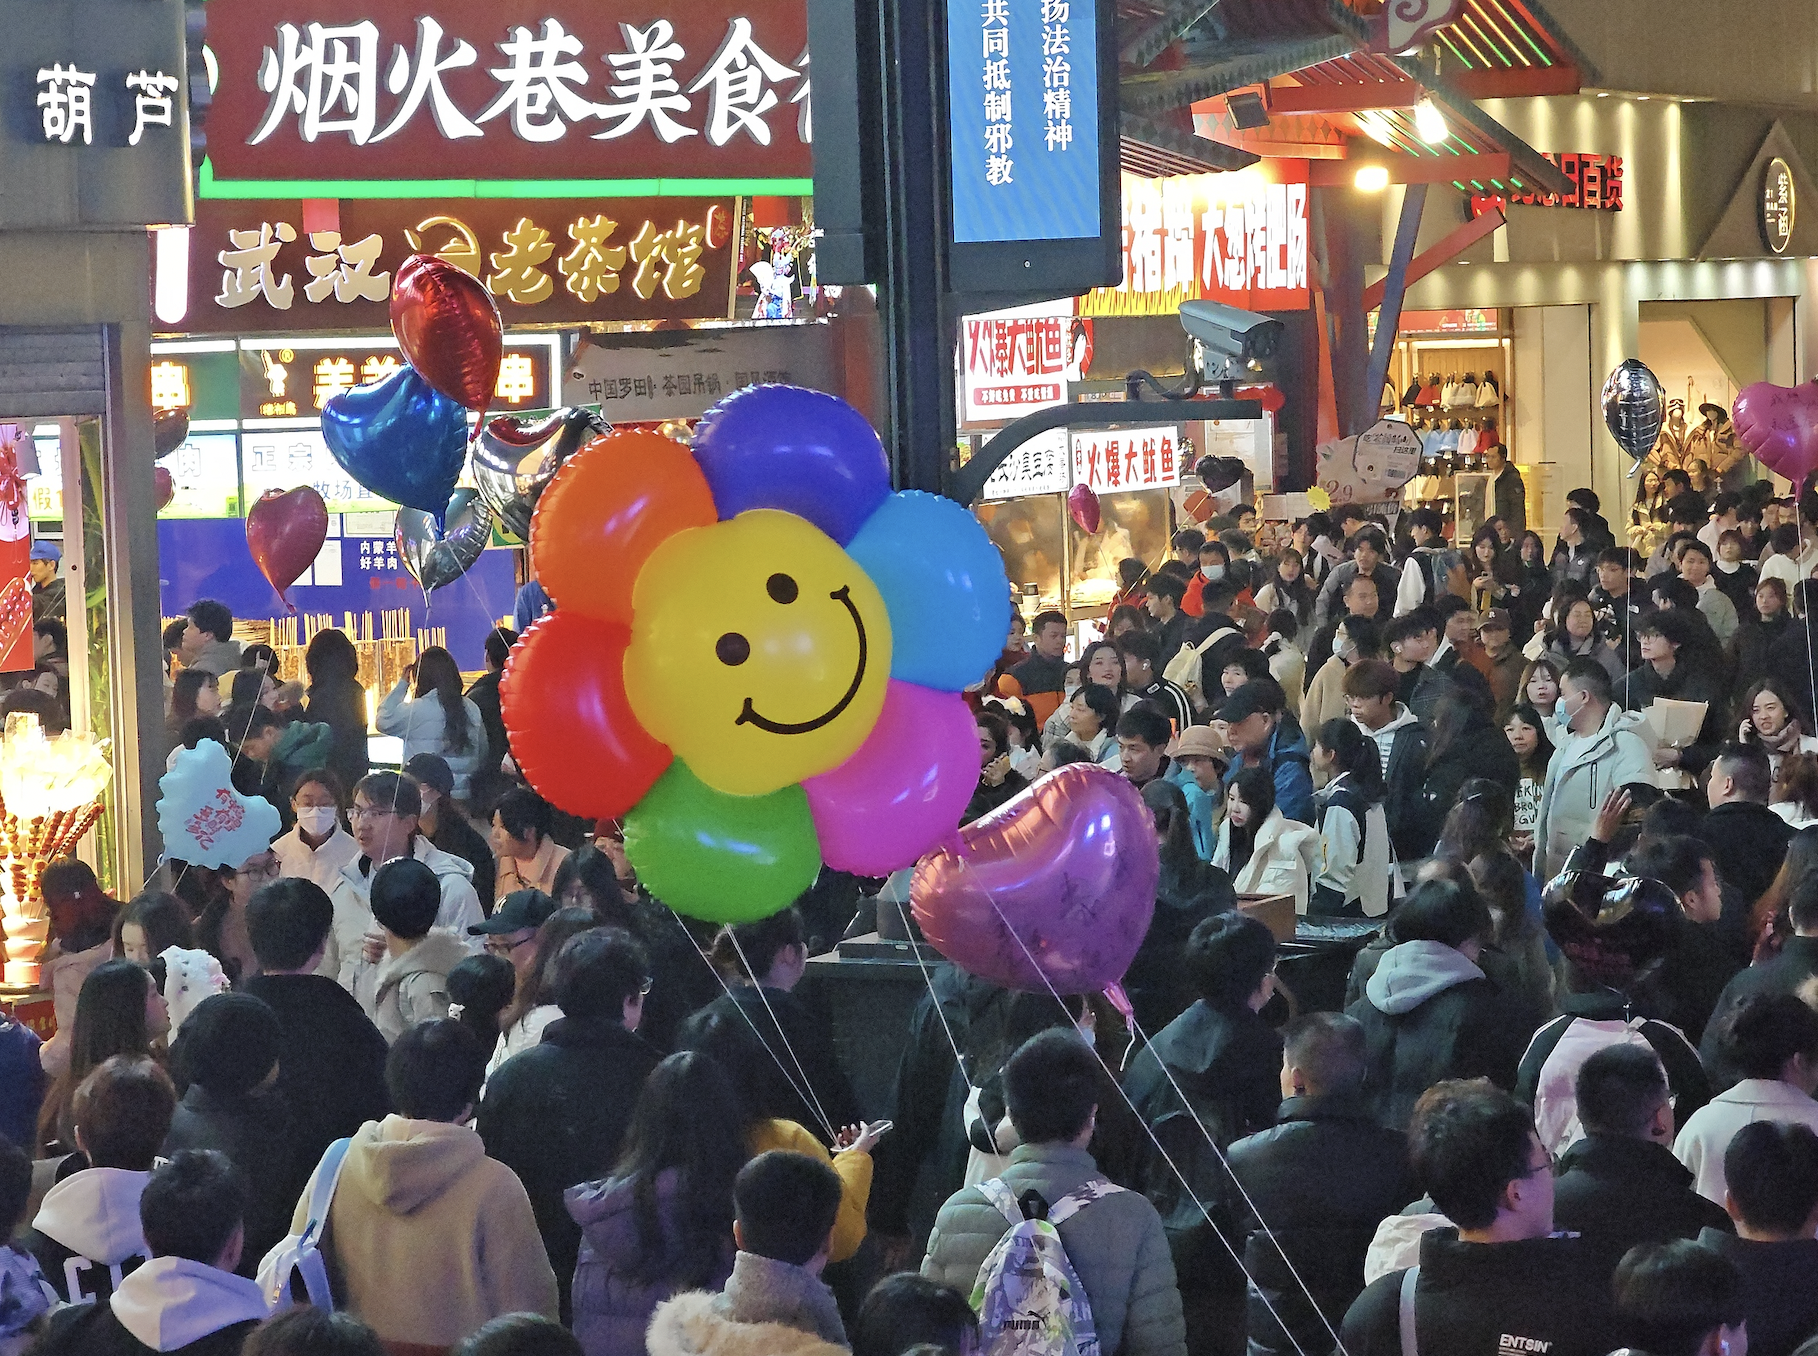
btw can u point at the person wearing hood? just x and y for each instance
(1265, 853)
(86, 1234)
(384, 819)
(403, 980)
(208, 639)
(1771, 1172)
(774, 1303)
(1215, 1069)
(1620, 1185)
(1188, 892)
(228, 1048)
(1598, 751)
(1402, 745)
(1428, 1012)
(1266, 737)
(533, 1122)
(187, 1300)
(428, 1237)
(1492, 1277)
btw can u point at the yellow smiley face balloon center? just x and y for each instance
(759, 651)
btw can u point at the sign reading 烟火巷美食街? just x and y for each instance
(508, 90)
(681, 374)
(256, 267)
(1023, 109)
(96, 131)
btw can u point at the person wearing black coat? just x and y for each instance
(1682, 671)
(229, 1051)
(331, 1058)
(1754, 641)
(1428, 1012)
(1747, 840)
(1189, 890)
(1313, 1190)
(1621, 1185)
(1771, 1175)
(1465, 744)
(555, 1114)
(337, 700)
(1787, 972)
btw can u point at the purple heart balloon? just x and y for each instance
(1054, 888)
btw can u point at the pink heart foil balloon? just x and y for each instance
(1054, 888)
(1779, 426)
(1082, 503)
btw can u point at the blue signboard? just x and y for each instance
(1023, 99)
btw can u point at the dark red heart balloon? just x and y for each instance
(1082, 503)
(446, 323)
(285, 530)
(166, 487)
(169, 429)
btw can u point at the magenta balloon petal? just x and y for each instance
(906, 787)
(1055, 888)
(1779, 426)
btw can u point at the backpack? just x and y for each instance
(1555, 1096)
(300, 1254)
(1029, 1298)
(1184, 669)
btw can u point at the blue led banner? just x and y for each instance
(1023, 98)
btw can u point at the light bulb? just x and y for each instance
(1372, 178)
(1430, 123)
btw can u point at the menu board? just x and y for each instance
(285, 459)
(204, 471)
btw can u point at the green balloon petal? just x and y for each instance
(721, 858)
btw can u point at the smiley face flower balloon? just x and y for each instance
(756, 654)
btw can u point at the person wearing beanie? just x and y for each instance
(401, 977)
(229, 1051)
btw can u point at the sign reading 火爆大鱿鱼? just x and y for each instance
(1127, 459)
(254, 267)
(509, 89)
(1239, 238)
(1019, 360)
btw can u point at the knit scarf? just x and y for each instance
(1779, 745)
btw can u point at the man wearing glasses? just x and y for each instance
(384, 823)
(511, 932)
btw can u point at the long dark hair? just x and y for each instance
(1534, 766)
(1451, 723)
(183, 693)
(161, 917)
(1297, 593)
(688, 1119)
(437, 672)
(598, 879)
(331, 660)
(1256, 788)
(1087, 655)
(536, 988)
(1479, 822)
(1356, 755)
(110, 1020)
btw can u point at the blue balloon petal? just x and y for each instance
(801, 451)
(400, 438)
(944, 585)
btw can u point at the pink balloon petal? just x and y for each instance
(906, 787)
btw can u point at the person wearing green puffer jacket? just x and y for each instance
(1115, 1243)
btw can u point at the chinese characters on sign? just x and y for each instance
(278, 382)
(1777, 206)
(679, 376)
(1023, 99)
(285, 460)
(1020, 360)
(1238, 238)
(1038, 466)
(526, 87)
(66, 102)
(1127, 459)
(543, 260)
(1596, 185)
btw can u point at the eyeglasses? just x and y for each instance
(266, 870)
(499, 946)
(360, 812)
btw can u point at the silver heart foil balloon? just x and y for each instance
(514, 459)
(1633, 406)
(435, 559)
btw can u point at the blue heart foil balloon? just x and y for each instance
(399, 438)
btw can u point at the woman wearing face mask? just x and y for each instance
(318, 847)
(1768, 720)
(1356, 638)
(1214, 567)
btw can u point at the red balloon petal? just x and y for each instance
(446, 323)
(573, 734)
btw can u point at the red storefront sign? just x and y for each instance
(1596, 186)
(255, 268)
(509, 89)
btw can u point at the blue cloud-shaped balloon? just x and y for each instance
(205, 822)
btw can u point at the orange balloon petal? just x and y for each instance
(608, 508)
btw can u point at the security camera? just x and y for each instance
(1226, 332)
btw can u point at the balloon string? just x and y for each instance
(1180, 1176)
(764, 998)
(720, 979)
(940, 1010)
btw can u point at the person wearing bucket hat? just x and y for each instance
(229, 1050)
(1204, 757)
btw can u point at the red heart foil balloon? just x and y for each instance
(165, 486)
(1779, 426)
(1056, 887)
(15, 612)
(285, 530)
(1082, 503)
(446, 323)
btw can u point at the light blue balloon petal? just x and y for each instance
(943, 582)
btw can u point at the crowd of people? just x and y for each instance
(434, 1073)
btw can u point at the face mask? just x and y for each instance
(1345, 649)
(316, 819)
(1213, 573)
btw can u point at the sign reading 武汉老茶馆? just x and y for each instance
(96, 129)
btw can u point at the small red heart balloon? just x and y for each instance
(1082, 503)
(285, 530)
(166, 487)
(446, 323)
